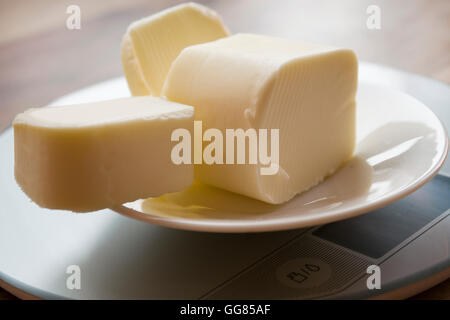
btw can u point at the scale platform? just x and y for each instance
(121, 258)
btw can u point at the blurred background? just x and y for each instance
(41, 59)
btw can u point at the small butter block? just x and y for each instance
(150, 45)
(97, 155)
(247, 81)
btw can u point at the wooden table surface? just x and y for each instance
(40, 59)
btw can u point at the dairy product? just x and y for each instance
(97, 155)
(306, 91)
(151, 44)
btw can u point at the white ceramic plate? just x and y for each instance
(401, 145)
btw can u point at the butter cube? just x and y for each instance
(151, 44)
(97, 155)
(306, 91)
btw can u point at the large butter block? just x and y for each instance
(247, 81)
(150, 45)
(92, 156)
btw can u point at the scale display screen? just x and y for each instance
(376, 233)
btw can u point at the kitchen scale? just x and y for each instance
(122, 258)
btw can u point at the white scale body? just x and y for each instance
(121, 258)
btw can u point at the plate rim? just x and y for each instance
(280, 224)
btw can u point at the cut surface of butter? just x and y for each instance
(247, 81)
(93, 156)
(151, 44)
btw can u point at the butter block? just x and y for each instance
(150, 45)
(306, 91)
(97, 155)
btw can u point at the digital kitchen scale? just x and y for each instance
(122, 258)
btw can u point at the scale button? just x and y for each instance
(303, 273)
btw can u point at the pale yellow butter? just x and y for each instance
(151, 44)
(97, 155)
(246, 81)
